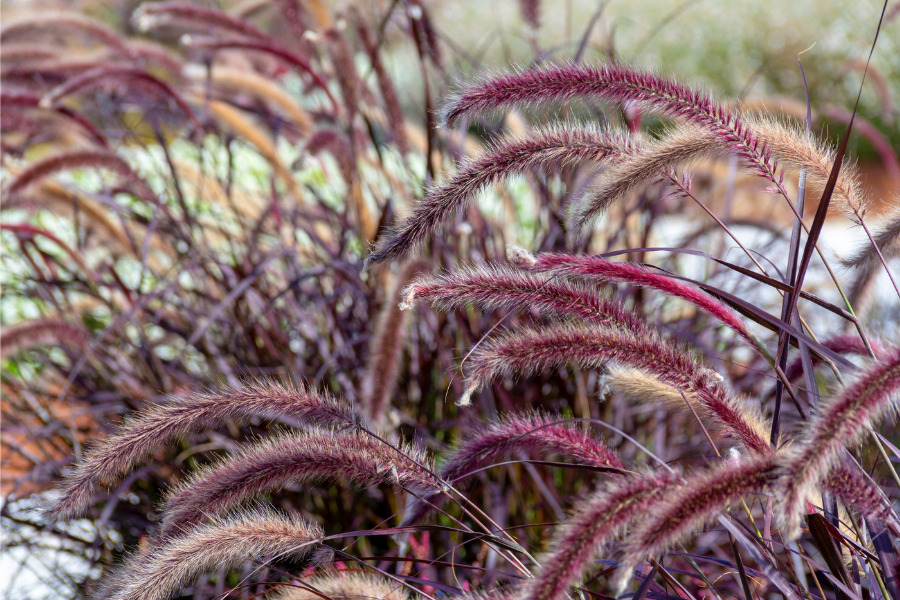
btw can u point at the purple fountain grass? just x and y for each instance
(842, 421)
(160, 571)
(842, 344)
(789, 145)
(386, 349)
(22, 99)
(342, 56)
(531, 350)
(29, 232)
(424, 34)
(635, 171)
(882, 246)
(688, 506)
(597, 519)
(71, 160)
(859, 493)
(61, 23)
(498, 287)
(344, 586)
(152, 15)
(42, 332)
(622, 84)
(888, 233)
(548, 148)
(311, 456)
(102, 76)
(533, 433)
(593, 267)
(393, 109)
(266, 46)
(161, 424)
(639, 386)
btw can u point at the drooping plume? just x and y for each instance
(597, 520)
(311, 456)
(633, 172)
(497, 287)
(343, 586)
(593, 267)
(533, 433)
(789, 145)
(688, 506)
(159, 572)
(529, 350)
(386, 350)
(639, 387)
(621, 84)
(41, 332)
(548, 148)
(162, 423)
(841, 421)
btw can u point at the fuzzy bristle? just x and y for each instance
(158, 572)
(311, 456)
(162, 423)
(841, 421)
(552, 147)
(533, 433)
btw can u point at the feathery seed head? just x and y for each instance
(689, 505)
(344, 586)
(158, 572)
(596, 521)
(874, 395)
(541, 149)
(312, 456)
(498, 287)
(157, 426)
(533, 433)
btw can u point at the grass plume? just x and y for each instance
(385, 352)
(530, 350)
(310, 456)
(592, 267)
(686, 507)
(343, 586)
(841, 421)
(622, 84)
(532, 433)
(163, 423)
(596, 521)
(497, 287)
(548, 148)
(158, 572)
(646, 165)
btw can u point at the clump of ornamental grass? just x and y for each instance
(185, 215)
(608, 411)
(645, 362)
